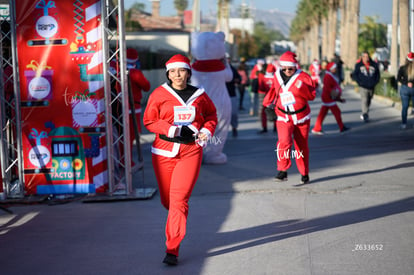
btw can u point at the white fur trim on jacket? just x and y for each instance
(329, 104)
(165, 153)
(171, 131)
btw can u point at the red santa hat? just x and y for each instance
(288, 59)
(178, 61)
(113, 66)
(410, 56)
(331, 66)
(132, 55)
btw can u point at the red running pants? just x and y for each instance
(176, 178)
(288, 134)
(322, 114)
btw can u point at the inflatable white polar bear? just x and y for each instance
(211, 72)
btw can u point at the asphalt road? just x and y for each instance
(355, 216)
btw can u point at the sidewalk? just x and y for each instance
(355, 217)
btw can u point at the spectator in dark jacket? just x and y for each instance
(367, 75)
(231, 88)
(405, 76)
(339, 68)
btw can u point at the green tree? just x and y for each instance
(404, 15)
(258, 44)
(222, 5)
(372, 35)
(137, 6)
(305, 27)
(130, 23)
(308, 13)
(180, 6)
(263, 36)
(245, 44)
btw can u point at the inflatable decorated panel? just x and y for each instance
(60, 59)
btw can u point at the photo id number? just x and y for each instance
(368, 247)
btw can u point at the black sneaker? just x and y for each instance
(304, 179)
(234, 131)
(364, 117)
(170, 259)
(344, 129)
(282, 176)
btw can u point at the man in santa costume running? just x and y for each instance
(331, 93)
(183, 117)
(315, 72)
(265, 84)
(138, 83)
(292, 89)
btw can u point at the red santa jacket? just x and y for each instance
(330, 87)
(161, 113)
(315, 70)
(291, 99)
(138, 84)
(265, 82)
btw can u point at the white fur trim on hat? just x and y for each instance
(132, 55)
(287, 64)
(178, 61)
(331, 66)
(288, 59)
(175, 65)
(132, 60)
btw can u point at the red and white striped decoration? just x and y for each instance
(94, 37)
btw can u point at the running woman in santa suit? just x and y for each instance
(183, 118)
(315, 71)
(331, 93)
(265, 84)
(292, 89)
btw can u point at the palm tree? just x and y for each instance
(310, 15)
(343, 34)
(318, 13)
(130, 23)
(353, 24)
(333, 23)
(180, 6)
(299, 28)
(223, 13)
(404, 30)
(324, 35)
(394, 40)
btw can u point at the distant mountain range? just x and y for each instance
(274, 19)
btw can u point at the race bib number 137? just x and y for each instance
(184, 115)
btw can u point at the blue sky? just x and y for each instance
(381, 8)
